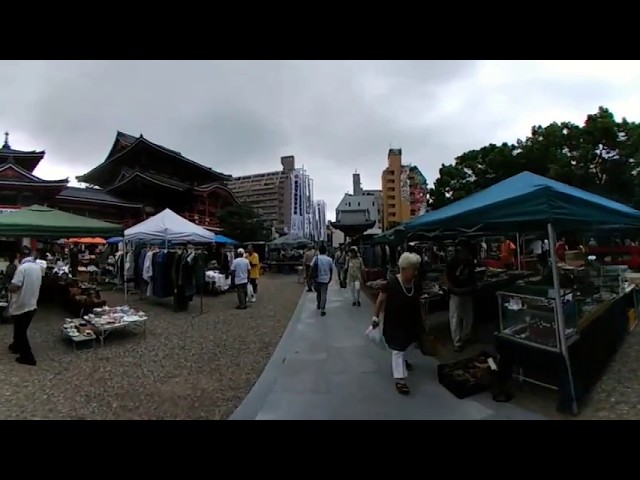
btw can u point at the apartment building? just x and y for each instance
(404, 191)
(269, 193)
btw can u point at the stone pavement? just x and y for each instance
(326, 369)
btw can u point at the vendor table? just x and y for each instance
(80, 340)
(589, 353)
(103, 331)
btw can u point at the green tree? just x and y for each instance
(244, 224)
(600, 156)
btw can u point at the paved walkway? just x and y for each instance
(326, 369)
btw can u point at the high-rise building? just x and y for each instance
(269, 193)
(404, 191)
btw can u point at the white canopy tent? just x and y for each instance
(168, 226)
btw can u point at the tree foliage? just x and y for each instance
(601, 156)
(244, 224)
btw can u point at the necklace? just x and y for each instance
(404, 289)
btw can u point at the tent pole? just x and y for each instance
(560, 323)
(124, 274)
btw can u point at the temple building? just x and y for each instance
(140, 172)
(137, 179)
(19, 187)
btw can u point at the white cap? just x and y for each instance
(241, 251)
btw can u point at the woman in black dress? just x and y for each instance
(403, 316)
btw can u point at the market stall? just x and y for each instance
(170, 265)
(286, 253)
(531, 203)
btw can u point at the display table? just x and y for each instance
(589, 353)
(78, 339)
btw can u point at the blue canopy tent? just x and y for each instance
(225, 240)
(523, 202)
(530, 202)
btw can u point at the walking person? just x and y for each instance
(321, 274)
(25, 291)
(240, 269)
(254, 273)
(354, 275)
(309, 255)
(461, 282)
(404, 317)
(341, 261)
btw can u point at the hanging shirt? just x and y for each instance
(536, 246)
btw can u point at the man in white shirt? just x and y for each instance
(240, 270)
(25, 290)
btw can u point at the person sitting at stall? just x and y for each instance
(538, 250)
(461, 282)
(561, 250)
(404, 317)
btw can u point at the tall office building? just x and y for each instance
(269, 193)
(404, 191)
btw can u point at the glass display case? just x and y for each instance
(612, 280)
(528, 315)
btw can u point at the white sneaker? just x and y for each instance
(253, 300)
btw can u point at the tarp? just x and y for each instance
(291, 240)
(527, 201)
(169, 227)
(225, 240)
(39, 221)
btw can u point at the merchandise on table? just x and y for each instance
(114, 316)
(76, 327)
(218, 280)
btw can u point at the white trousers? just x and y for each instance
(355, 290)
(460, 318)
(398, 365)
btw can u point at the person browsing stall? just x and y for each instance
(240, 269)
(254, 274)
(25, 291)
(321, 275)
(461, 282)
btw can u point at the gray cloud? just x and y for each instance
(241, 116)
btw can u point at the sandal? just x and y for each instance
(402, 388)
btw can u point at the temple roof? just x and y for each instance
(13, 174)
(94, 195)
(28, 160)
(128, 175)
(125, 143)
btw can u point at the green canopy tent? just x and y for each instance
(45, 222)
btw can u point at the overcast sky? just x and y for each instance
(333, 116)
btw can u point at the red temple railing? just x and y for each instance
(205, 222)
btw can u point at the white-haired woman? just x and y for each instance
(403, 323)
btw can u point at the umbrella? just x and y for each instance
(114, 240)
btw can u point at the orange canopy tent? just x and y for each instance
(88, 241)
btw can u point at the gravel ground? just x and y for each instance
(617, 395)
(186, 368)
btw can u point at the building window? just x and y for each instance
(348, 204)
(358, 203)
(373, 204)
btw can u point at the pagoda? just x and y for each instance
(19, 187)
(138, 171)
